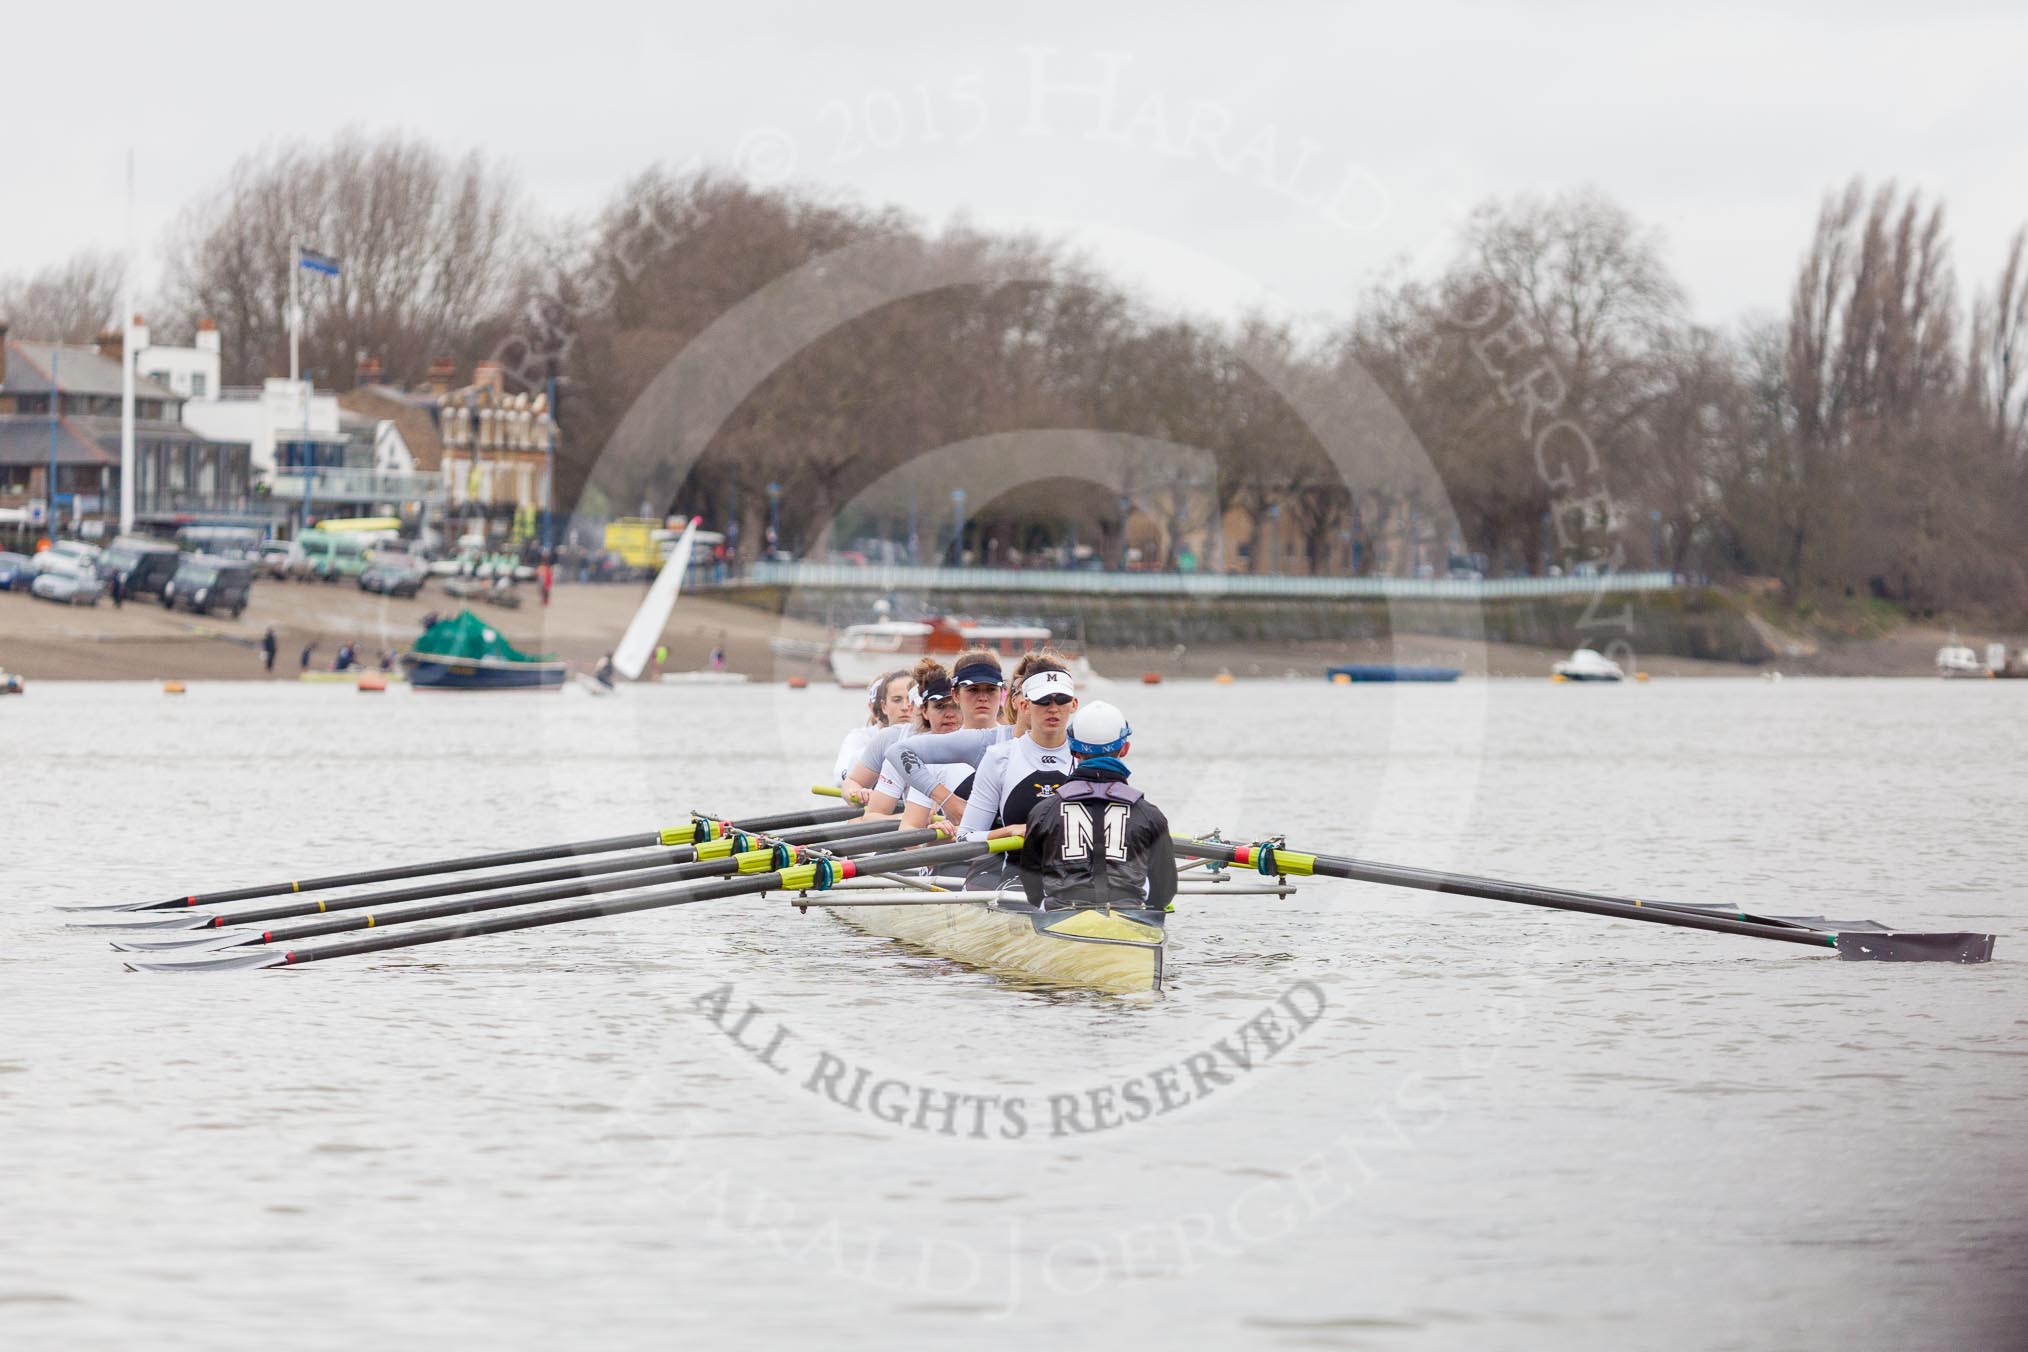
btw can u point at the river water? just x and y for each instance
(1465, 1124)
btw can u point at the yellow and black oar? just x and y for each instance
(816, 876)
(763, 859)
(725, 847)
(1858, 940)
(696, 829)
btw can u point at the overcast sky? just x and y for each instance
(1212, 155)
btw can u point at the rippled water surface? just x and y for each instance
(1502, 1127)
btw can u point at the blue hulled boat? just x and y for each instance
(1363, 672)
(466, 653)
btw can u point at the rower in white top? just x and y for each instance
(1017, 774)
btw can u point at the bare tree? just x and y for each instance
(68, 301)
(428, 246)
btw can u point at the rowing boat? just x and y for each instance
(1096, 947)
(879, 879)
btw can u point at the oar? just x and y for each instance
(1859, 944)
(696, 829)
(735, 843)
(778, 856)
(815, 876)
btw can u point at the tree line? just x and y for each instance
(1545, 397)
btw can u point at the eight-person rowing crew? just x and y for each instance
(984, 755)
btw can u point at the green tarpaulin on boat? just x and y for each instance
(467, 637)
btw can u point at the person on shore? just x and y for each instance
(718, 653)
(119, 588)
(308, 649)
(603, 672)
(268, 647)
(547, 575)
(1097, 841)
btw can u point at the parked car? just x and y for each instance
(205, 583)
(278, 558)
(393, 575)
(71, 588)
(143, 565)
(332, 554)
(17, 572)
(222, 542)
(68, 556)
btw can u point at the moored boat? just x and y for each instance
(1587, 664)
(1954, 661)
(466, 653)
(863, 652)
(1359, 673)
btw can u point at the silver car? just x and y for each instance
(74, 589)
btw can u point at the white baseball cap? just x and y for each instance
(1098, 729)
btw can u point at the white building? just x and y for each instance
(190, 371)
(294, 433)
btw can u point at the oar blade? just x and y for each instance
(234, 962)
(206, 942)
(1869, 947)
(168, 920)
(128, 906)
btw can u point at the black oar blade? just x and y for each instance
(1867, 947)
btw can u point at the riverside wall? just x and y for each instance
(1701, 623)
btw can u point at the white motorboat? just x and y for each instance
(865, 651)
(1587, 664)
(1956, 660)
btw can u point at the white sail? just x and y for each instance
(644, 631)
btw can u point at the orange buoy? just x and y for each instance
(172, 687)
(1223, 678)
(372, 680)
(1151, 678)
(1341, 678)
(799, 682)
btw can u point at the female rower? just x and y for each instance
(942, 759)
(887, 703)
(913, 760)
(1019, 772)
(937, 712)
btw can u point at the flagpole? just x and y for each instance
(295, 307)
(128, 357)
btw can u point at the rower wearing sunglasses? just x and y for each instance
(1019, 773)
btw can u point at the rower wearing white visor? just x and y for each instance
(1015, 775)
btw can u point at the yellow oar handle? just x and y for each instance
(827, 791)
(1004, 844)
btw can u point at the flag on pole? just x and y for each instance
(317, 262)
